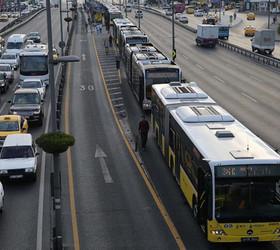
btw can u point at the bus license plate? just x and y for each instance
(16, 176)
(249, 239)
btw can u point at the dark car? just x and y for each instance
(28, 104)
(35, 37)
(4, 84)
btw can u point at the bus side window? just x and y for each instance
(171, 138)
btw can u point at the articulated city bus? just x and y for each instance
(229, 176)
(148, 68)
(118, 25)
(131, 49)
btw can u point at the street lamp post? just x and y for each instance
(173, 33)
(61, 28)
(139, 14)
(268, 18)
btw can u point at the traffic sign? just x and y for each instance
(61, 44)
(173, 54)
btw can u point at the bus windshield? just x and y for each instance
(162, 75)
(12, 45)
(33, 65)
(254, 199)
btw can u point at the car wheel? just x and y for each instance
(34, 177)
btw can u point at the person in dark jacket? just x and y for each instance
(143, 129)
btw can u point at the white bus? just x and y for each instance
(16, 43)
(229, 176)
(34, 63)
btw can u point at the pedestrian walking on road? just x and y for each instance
(110, 40)
(143, 129)
(234, 15)
(106, 46)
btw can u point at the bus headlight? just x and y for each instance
(218, 232)
(277, 231)
(29, 170)
(3, 171)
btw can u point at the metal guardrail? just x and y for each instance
(270, 61)
(19, 22)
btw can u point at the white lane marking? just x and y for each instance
(99, 153)
(219, 79)
(249, 97)
(83, 40)
(199, 66)
(83, 57)
(3, 107)
(42, 183)
(186, 57)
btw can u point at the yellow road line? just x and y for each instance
(150, 187)
(70, 167)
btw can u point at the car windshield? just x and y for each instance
(33, 84)
(9, 126)
(11, 45)
(245, 199)
(33, 34)
(1, 77)
(17, 152)
(5, 68)
(26, 98)
(8, 57)
(33, 65)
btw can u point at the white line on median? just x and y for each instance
(199, 66)
(42, 183)
(219, 79)
(249, 97)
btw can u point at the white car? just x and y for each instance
(177, 15)
(1, 197)
(34, 84)
(138, 14)
(198, 12)
(18, 157)
(8, 70)
(10, 58)
(183, 18)
(168, 12)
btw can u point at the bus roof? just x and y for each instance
(150, 56)
(146, 47)
(220, 138)
(176, 93)
(35, 49)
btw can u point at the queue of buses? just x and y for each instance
(229, 176)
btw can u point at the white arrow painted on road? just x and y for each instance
(99, 153)
(83, 57)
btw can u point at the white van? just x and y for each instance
(18, 158)
(16, 43)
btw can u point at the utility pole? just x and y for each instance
(125, 10)
(61, 44)
(268, 21)
(173, 33)
(139, 14)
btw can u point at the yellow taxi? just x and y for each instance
(251, 16)
(12, 124)
(249, 30)
(190, 9)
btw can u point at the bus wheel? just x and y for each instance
(194, 208)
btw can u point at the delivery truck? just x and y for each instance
(207, 35)
(263, 41)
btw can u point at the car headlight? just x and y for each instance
(14, 112)
(2, 84)
(37, 111)
(218, 232)
(29, 170)
(3, 171)
(46, 82)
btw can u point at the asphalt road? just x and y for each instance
(113, 206)
(246, 89)
(18, 223)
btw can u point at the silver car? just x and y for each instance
(10, 58)
(8, 71)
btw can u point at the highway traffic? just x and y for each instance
(114, 194)
(18, 223)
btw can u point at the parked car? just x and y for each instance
(4, 18)
(34, 36)
(8, 71)
(138, 14)
(28, 103)
(11, 59)
(249, 30)
(168, 12)
(11, 124)
(1, 197)
(183, 18)
(251, 16)
(34, 84)
(18, 158)
(4, 85)
(198, 12)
